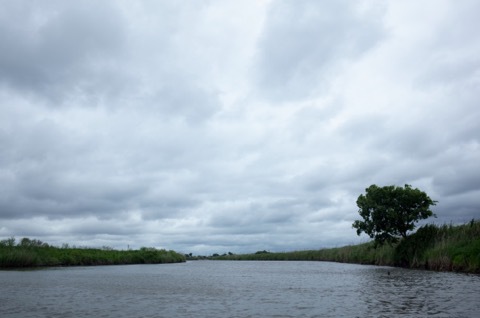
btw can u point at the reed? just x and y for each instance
(361, 254)
(29, 253)
(441, 248)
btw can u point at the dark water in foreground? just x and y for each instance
(238, 289)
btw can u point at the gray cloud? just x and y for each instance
(158, 124)
(304, 44)
(60, 49)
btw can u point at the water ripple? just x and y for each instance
(238, 289)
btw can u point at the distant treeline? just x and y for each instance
(441, 248)
(34, 253)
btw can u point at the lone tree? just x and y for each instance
(390, 212)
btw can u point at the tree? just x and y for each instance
(390, 212)
(8, 242)
(26, 242)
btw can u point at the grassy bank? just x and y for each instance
(442, 248)
(33, 253)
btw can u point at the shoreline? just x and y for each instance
(31, 254)
(444, 248)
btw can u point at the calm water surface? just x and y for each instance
(238, 289)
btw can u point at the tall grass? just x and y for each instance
(456, 248)
(441, 248)
(360, 254)
(27, 254)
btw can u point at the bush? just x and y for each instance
(410, 251)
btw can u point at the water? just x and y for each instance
(238, 289)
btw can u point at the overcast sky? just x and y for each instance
(232, 126)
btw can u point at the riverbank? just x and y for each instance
(440, 248)
(34, 253)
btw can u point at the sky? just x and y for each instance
(232, 126)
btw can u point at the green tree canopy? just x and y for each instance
(390, 212)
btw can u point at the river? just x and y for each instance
(238, 289)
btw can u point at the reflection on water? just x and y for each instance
(238, 289)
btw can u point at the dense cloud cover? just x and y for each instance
(216, 126)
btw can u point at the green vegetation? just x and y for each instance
(34, 253)
(442, 248)
(390, 212)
